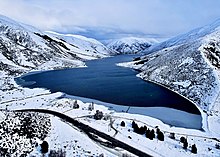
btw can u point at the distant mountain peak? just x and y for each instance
(131, 45)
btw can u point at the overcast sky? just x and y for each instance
(152, 17)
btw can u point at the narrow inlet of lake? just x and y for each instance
(104, 81)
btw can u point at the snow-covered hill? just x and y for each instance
(131, 45)
(25, 47)
(188, 64)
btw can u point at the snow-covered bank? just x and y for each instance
(176, 118)
(58, 140)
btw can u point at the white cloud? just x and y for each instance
(148, 16)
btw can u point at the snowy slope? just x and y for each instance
(187, 37)
(188, 64)
(131, 45)
(27, 47)
(81, 45)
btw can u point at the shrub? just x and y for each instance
(98, 115)
(182, 139)
(194, 149)
(217, 146)
(58, 153)
(142, 130)
(185, 144)
(122, 123)
(147, 133)
(157, 130)
(44, 147)
(160, 136)
(133, 124)
(172, 136)
(136, 128)
(152, 134)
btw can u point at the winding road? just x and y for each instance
(88, 130)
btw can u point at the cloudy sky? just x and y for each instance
(101, 18)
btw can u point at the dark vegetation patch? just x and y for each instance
(19, 132)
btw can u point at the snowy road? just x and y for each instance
(88, 130)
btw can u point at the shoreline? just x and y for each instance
(151, 112)
(203, 115)
(133, 109)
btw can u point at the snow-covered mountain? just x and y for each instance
(188, 64)
(25, 47)
(130, 45)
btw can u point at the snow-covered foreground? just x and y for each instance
(71, 141)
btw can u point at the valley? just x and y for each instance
(191, 70)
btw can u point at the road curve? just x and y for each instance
(87, 129)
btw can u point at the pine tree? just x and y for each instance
(194, 149)
(152, 135)
(147, 133)
(142, 130)
(160, 136)
(133, 124)
(217, 146)
(136, 128)
(122, 123)
(185, 144)
(182, 139)
(157, 130)
(44, 147)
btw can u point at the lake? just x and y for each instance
(104, 81)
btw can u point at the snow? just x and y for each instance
(185, 64)
(72, 142)
(185, 84)
(63, 136)
(82, 45)
(131, 45)
(188, 60)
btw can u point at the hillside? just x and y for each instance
(187, 64)
(130, 45)
(25, 47)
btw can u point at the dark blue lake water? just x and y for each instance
(103, 80)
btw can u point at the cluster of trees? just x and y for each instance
(148, 133)
(185, 145)
(159, 134)
(98, 115)
(75, 105)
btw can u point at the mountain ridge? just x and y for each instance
(27, 47)
(187, 64)
(131, 45)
